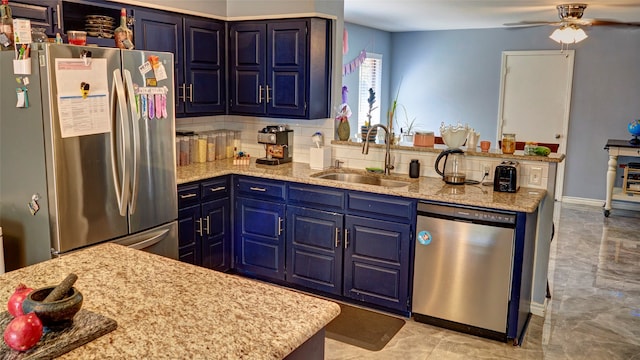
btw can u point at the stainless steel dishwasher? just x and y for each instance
(463, 268)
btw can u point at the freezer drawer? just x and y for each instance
(162, 240)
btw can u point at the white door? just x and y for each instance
(535, 98)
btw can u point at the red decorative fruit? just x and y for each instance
(15, 301)
(23, 332)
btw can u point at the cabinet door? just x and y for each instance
(161, 31)
(376, 262)
(259, 249)
(189, 229)
(41, 13)
(247, 51)
(286, 68)
(204, 66)
(314, 249)
(216, 238)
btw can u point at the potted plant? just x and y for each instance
(365, 128)
(406, 131)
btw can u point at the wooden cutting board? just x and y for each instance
(86, 327)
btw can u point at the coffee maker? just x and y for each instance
(278, 143)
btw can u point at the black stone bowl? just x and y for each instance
(56, 314)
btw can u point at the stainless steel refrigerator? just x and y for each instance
(92, 179)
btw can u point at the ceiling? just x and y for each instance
(422, 15)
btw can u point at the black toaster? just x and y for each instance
(506, 177)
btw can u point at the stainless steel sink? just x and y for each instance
(354, 178)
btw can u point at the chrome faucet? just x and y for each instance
(387, 139)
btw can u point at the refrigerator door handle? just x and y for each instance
(135, 125)
(121, 185)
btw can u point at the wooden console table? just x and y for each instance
(618, 148)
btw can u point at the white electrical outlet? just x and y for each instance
(487, 171)
(535, 175)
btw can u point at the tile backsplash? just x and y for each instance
(351, 155)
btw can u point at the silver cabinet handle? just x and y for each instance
(346, 238)
(280, 225)
(182, 96)
(219, 188)
(258, 189)
(268, 99)
(337, 237)
(59, 17)
(199, 230)
(188, 196)
(260, 94)
(207, 228)
(191, 93)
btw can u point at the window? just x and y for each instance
(370, 77)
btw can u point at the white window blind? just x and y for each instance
(370, 77)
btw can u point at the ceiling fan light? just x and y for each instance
(557, 35)
(579, 35)
(568, 35)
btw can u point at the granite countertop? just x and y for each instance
(424, 188)
(169, 309)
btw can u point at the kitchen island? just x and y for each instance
(169, 309)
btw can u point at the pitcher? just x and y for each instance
(472, 140)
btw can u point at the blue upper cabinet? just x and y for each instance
(160, 31)
(204, 66)
(42, 13)
(198, 48)
(280, 68)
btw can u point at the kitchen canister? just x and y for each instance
(423, 138)
(414, 169)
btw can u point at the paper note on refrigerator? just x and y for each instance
(83, 97)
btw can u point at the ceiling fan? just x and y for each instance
(571, 15)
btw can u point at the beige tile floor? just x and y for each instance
(594, 312)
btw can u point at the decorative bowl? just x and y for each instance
(55, 314)
(454, 136)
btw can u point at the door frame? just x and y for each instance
(570, 55)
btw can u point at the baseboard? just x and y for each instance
(538, 309)
(624, 205)
(582, 201)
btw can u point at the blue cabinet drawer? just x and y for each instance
(188, 195)
(260, 188)
(382, 207)
(217, 188)
(318, 197)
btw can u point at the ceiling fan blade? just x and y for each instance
(532, 23)
(606, 22)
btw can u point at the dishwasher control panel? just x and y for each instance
(453, 212)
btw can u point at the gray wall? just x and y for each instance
(453, 76)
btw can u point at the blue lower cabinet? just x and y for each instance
(314, 249)
(376, 262)
(188, 237)
(216, 244)
(204, 223)
(259, 238)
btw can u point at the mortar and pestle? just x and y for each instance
(55, 306)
